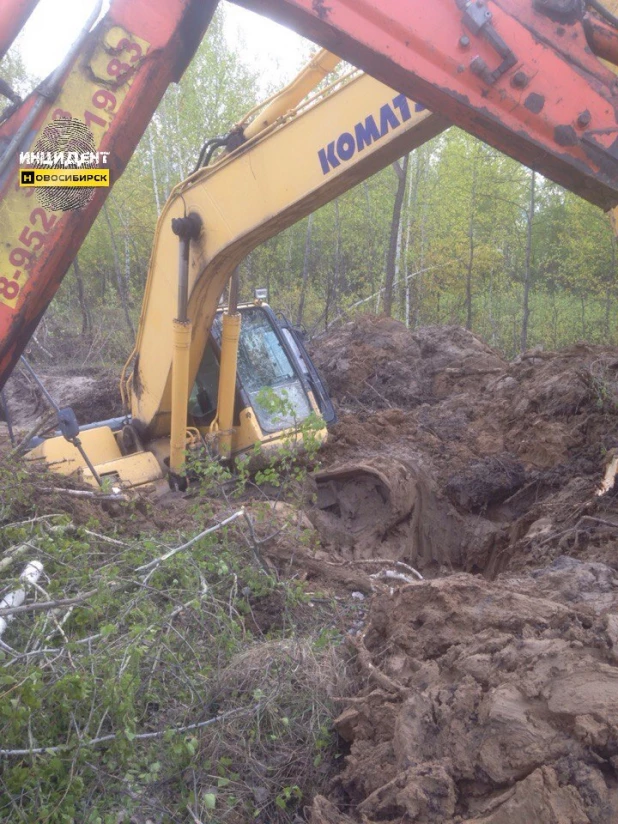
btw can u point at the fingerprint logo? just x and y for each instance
(65, 135)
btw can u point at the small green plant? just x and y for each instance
(284, 465)
(288, 797)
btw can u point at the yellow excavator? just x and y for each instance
(199, 370)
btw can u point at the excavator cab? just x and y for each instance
(277, 385)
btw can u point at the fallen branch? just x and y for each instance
(22, 446)
(33, 520)
(144, 736)
(42, 606)
(377, 675)
(176, 550)
(593, 521)
(383, 561)
(382, 398)
(391, 575)
(254, 543)
(105, 538)
(81, 493)
(12, 554)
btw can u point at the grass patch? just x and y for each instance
(156, 696)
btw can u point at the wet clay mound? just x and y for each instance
(376, 363)
(486, 703)
(508, 443)
(92, 399)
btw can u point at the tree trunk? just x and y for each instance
(582, 300)
(371, 235)
(527, 272)
(421, 223)
(305, 280)
(122, 292)
(471, 242)
(608, 293)
(153, 167)
(86, 316)
(337, 262)
(411, 218)
(401, 170)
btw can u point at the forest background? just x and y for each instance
(454, 233)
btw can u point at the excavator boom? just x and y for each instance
(287, 171)
(519, 74)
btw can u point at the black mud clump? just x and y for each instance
(486, 482)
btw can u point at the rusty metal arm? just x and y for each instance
(113, 83)
(519, 74)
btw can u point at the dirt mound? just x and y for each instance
(509, 444)
(487, 703)
(91, 398)
(376, 363)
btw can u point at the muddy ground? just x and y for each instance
(508, 455)
(93, 397)
(490, 697)
(490, 687)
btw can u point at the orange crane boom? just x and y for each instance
(112, 81)
(519, 74)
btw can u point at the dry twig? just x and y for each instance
(144, 736)
(176, 550)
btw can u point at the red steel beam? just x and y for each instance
(156, 40)
(554, 109)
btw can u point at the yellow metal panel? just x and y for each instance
(256, 192)
(62, 457)
(230, 334)
(129, 470)
(249, 433)
(180, 394)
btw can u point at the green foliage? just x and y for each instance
(283, 465)
(158, 653)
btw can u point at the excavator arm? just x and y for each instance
(294, 156)
(289, 169)
(112, 80)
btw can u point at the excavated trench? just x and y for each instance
(491, 687)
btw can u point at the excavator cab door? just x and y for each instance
(270, 357)
(295, 338)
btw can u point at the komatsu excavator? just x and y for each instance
(534, 78)
(293, 156)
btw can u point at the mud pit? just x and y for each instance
(509, 454)
(489, 698)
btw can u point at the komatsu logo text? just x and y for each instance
(391, 116)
